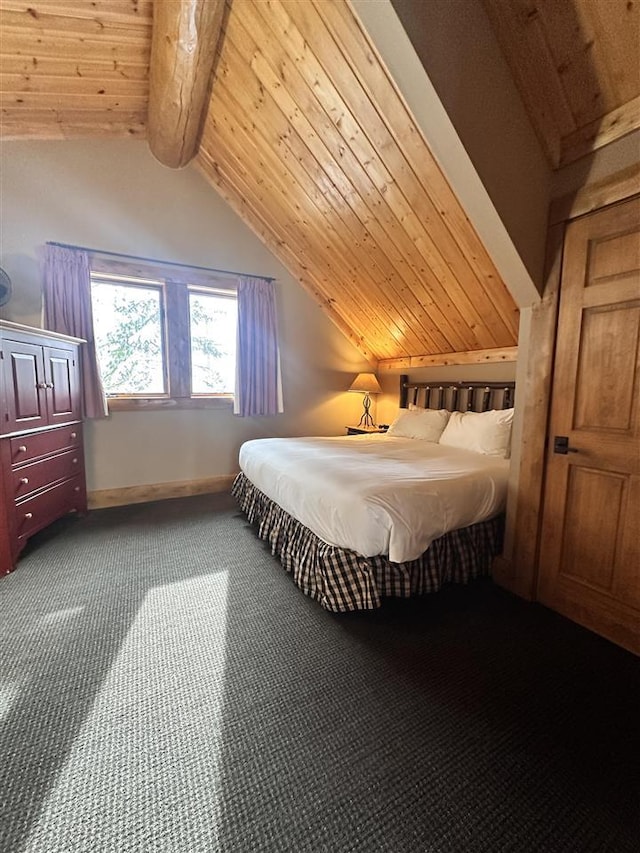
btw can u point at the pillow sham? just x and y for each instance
(426, 424)
(482, 432)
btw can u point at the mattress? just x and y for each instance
(377, 494)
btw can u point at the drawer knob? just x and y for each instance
(74, 435)
(74, 460)
(76, 488)
(22, 448)
(42, 385)
(24, 481)
(28, 515)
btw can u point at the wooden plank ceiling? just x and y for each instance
(308, 139)
(576, 64)
(74, 68)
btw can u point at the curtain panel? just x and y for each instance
(67, 309)
(258, 378)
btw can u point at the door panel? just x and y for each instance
(589, 566)
(614, 258)
(594, 499)
(605, 383)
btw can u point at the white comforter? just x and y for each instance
(377, 494)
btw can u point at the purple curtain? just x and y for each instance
(258, 380)
(67, 309)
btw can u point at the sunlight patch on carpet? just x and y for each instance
(151, 744)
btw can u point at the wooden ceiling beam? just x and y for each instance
(482, 356)
(184, 45)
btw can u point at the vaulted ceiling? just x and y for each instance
(307, 137)
(576, 64)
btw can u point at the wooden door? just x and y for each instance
(63, 394)
(589, 567)
(25, 386)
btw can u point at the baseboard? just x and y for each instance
(158, 491)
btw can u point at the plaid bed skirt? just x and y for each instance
(342, 580)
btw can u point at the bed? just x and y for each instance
(358, 518)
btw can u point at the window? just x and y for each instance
(128, 329)
(161, 342)
(212, 331)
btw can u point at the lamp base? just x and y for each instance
(366, 420)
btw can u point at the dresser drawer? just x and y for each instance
(37, 512)
(26, 447)
(35, 475)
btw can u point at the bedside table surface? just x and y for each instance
(359, 430)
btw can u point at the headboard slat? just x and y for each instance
(508, 396)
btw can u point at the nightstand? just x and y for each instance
(358, 430)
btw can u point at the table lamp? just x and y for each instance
(366, 383)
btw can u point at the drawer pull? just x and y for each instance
(74, 435)
(28, 515)
(22, 448)
(74, 460)
(42, 385)
(24, 481)
(76, 488)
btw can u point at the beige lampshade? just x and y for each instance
(366, 383)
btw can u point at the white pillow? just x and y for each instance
(482, 432)
(426, 424)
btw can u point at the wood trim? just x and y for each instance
(614, 188)
(516, 571)
(159, 491)
(163, 271)
(597, 134)
(38, 125)
(184, 45)
(481, 356)
(8, 327)
(151, 404)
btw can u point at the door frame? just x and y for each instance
(517, 568)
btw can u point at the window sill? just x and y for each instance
(154, 404)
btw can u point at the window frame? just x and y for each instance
(175, 283)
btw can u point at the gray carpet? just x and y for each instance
(165, 687)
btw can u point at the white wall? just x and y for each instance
(462, 58)
(113, 196)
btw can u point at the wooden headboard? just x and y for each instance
(457, 396)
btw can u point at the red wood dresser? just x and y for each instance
(41, 451)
